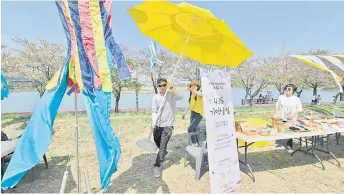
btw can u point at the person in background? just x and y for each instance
(314, 99)
(288, 106)
(196, 107)
(334, 99)
(165, 120)
(266, 99)
(318, 99)
(260, 99)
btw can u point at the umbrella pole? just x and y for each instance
(171, 79)
(179, 59)
(143, 144)
(78, 186)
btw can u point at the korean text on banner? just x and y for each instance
(222, 147)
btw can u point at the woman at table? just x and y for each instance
(196, 107)
(288, 106)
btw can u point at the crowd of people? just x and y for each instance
(264, 99)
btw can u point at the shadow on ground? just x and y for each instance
(140, 175)
(279, 159)
(44, 180)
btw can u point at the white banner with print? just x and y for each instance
(222, 147)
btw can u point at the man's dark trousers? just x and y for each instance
(161, 137)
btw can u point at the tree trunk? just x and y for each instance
(198, 74)
(118, 97)
(279, 87)
(245, 97)
(40, 89)
(315, 89)
(336, 97)
(341, 95)
(250, 102)
(137, 100)
(298, 93)
(41, 92)
(247, 91)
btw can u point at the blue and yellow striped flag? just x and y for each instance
(91, 50)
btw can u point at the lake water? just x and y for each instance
(26, 101)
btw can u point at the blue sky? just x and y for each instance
(262, 26)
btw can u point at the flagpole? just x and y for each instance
(76, 125)
(78, 186)
(150, 51)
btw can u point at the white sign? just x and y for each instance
(222, 147)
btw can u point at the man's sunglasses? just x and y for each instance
(162, 85)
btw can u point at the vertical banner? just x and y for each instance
(222, 148)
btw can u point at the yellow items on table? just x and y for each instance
(255, 122)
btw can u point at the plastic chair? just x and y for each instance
(200, 130)
(198, 153)
(338, 113)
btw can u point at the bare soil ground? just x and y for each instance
(275, 170)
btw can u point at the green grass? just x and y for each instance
(252, 109)
(241, 112)
(324, 110)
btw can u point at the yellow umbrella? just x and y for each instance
(190, 31)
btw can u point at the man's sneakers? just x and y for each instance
(157, 172)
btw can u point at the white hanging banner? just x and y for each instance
(340, 56)
(308, 61)
(318, 63)
(336, 78)
(335, 61)
(221, 139)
